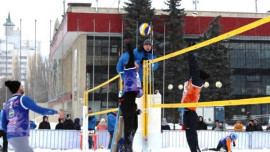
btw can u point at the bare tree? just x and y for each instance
(38, 79)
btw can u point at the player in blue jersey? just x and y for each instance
(225, 143)
(15, 119)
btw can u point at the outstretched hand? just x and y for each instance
(60, 113)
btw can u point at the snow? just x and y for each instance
(161, 150)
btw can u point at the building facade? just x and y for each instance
(87, 44)
(15, 53)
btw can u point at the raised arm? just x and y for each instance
(194, 70)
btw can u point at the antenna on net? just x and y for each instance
(64, 7)
(256, 6)
(195, 2)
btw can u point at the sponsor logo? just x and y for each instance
(16, 103)
(11, 112)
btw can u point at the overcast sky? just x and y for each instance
(45, 10)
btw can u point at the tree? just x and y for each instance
(138, 12)
(3, 91)
(176, 68)
(38, 79)
(215, 60)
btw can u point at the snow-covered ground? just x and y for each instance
(161, 150)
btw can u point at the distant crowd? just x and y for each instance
(252, 125)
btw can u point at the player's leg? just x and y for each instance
(219, 146)
(20, 144)
(190, 122)
(128, 111)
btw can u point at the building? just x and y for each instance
(86, 46)
(15, 56)
(14, 52)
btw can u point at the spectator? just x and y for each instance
(238, 126)
(32, 125)
(268, 127)
(257, 126)
(220, 127)
(76, 124)
(183, 127)
(111, 125)
(68, 124)
(102, 125)
(201, 124)
(3, 134)
(215, 125)
(250, 126)
(91, 127)
(60, 124)
(164, 125)
(44, 124)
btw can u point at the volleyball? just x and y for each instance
(145, 29)
(195, 14)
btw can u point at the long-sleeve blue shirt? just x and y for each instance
(16, 115)
(92, 122)
(111, 121)
(141, 54)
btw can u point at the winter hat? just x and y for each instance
(147, 42)
(13, 86)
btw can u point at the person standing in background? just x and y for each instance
(91, 126)
(60, 124)
(68, 124)
(44, 124)
(111, 125)
(32, 125)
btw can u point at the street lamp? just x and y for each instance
(180, 87)
(170, 86)
(206, 84)
(218, 84)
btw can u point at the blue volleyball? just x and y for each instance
(195, 14)
(145, 29)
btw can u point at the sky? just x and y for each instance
(45, 10)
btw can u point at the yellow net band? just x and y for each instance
(103, 112)
(260, 100)
(215, 39)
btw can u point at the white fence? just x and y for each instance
(61, 139)
(70, 139)
(209, 138)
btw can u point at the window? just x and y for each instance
(253, 78)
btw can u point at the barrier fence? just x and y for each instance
(61, 139)
(70, 139)
(209, 139)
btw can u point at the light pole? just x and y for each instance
(6, 53)
(170, 87)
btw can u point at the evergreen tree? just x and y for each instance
(215, 60)
(175, 68)
(138, 12)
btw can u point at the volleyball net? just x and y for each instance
(237, 64)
